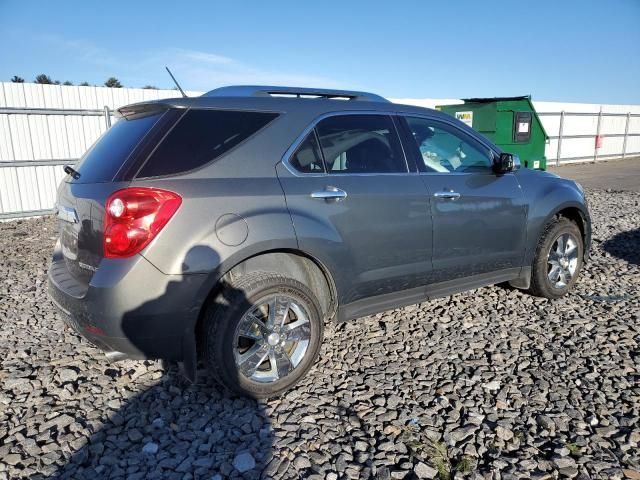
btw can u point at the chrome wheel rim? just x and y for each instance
(271, 339)
(562, 260)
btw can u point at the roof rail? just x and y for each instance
(272, 91)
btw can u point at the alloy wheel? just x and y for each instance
(562, 260)
(272, 338)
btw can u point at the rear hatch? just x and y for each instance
(107, 166)
(151, 140)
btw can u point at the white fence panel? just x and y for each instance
(612, 130)
(35, 145)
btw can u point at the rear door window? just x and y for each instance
(361, 144)
(200, 137)
(103, 160)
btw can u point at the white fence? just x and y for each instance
(43, 127)
(574, 127)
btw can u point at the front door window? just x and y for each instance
(447, 149)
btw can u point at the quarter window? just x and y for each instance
(443, 148)
(360, 144)
(201, 136)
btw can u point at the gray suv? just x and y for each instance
(232, 226)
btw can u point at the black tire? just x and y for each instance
(224, 315)
(541, 285)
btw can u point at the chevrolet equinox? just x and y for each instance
(230, 227)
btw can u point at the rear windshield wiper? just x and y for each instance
(71, 171)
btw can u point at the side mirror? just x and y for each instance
(505, 163)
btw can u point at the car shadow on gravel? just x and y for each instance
(624, 245)
(173, 428)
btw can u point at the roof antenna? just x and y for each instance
(176, 82)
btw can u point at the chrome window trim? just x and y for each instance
(294, 146)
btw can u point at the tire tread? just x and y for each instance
(539, 284)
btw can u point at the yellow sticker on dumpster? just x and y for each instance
(465, 117)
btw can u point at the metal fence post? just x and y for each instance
(595, 143)
(626, 134)
(35, 170)
(559, 149)
(107, 117)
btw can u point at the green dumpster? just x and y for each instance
(509, 122)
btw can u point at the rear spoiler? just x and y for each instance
(137, 110)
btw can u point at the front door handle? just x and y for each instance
(450, 195)
(330, 193)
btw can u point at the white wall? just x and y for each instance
(426, 102)
(64, 138)
(588, 125)
(34, 95)
(35, 138)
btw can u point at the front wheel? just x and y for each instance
(558, 259)
(262, 334)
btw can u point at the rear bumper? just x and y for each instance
(131, 309)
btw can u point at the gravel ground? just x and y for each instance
(486, 384)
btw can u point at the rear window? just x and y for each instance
(110, 152)
(200, 137)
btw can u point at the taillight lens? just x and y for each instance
(134, 216)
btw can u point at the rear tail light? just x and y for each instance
(134, 216)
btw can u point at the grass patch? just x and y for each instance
(435, 452)
(573, 448)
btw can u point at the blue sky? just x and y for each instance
(584, 51)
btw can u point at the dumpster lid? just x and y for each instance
(496, 99)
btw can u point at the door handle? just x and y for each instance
(450, 195)
(330, 193)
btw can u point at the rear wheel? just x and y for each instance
(262, 334)
(558, 259)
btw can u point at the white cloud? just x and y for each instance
(199, 70)
(210, 58)
(194, 69)
(79, 50)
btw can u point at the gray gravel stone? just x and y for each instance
(244, 462)
(422, 470)
(496, 379)
(67, 375)
(150, 448)
(504, 433)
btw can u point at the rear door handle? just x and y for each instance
(330, 193)
(449, 195)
